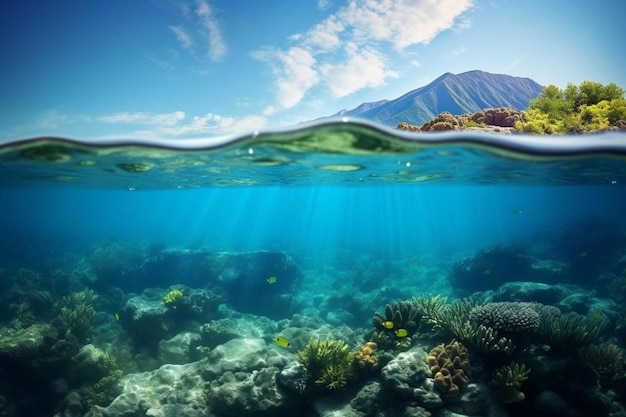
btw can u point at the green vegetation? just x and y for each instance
(589, 107)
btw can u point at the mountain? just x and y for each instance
(467, 92)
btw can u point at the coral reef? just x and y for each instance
(78, 313)
(400, 315)
(329, 363)
(510, 317)
(173, 297)
(571, 330)
(508, 381)
(366, 356)
(606, 359)
(451, 368)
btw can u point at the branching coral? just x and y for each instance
(454, 320)
(451, 367)
(173, 297)
(571, 330)
(328, 362)
(508, 380)
(77, 313)
(606, 359)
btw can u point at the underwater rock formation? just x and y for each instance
(408, 377)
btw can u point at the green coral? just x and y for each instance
(173, 297)
(453, 320)
(606, 359)
(78, 313)
(329, 363)
(571, 330)
(508, 381)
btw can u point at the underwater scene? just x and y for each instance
(333, 269)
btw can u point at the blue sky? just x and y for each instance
(197, 68)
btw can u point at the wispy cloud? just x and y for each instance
(179, 124)
(344, 53)
(200, 32)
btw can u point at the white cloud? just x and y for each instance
(182, 36)
(201, 34)
(211, 31)
(363, 68)
(323, 4)
(166, 119)
(458, 51)
(178, 124)
(327, 56)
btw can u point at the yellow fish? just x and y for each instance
(117, 317)
(271, 280)
(282, 341)
(388, 324)
(596, 314)
(401, 333)
(486, 271)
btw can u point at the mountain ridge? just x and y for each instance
(467, 92)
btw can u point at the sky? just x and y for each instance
(201, 68)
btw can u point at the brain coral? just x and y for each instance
(507, 316)
(451, 367)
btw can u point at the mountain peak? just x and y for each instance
(467, 92)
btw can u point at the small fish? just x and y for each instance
(583, 254)
(388, 324)
(271, 280)
(596, 314)
(282, 341)
(401, 333)
(516, 211)
(486, 272)
(117, 317)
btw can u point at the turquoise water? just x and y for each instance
(368, 215)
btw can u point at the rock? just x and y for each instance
(179, 349)
(243, 378)
(250, 271)
(531, 291)
(409, 377)
(293, 377)
(366, 401)
(549, 402)
(27, 343)
(476, 399)
(171, 390)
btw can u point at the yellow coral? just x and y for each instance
(328, 362)
(366, 356)
(451, 367)
(173, 297)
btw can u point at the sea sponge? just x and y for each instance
(508, 380)
(451, 367)
(173, 297)
(366, 356)
(328, 362)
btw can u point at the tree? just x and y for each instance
(590, 106)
